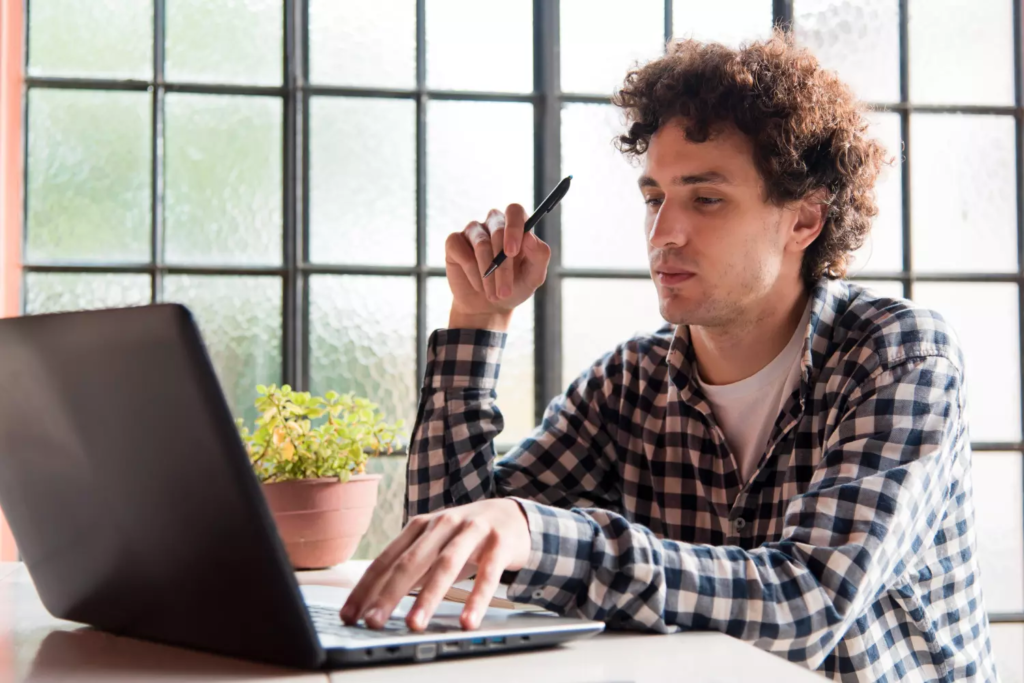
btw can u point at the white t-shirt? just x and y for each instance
(746, 410)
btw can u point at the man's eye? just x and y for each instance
(653, 201)
(709, 201)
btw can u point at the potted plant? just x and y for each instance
(310, 454)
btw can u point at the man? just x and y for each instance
(787, 463)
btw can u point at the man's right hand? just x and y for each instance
(488, 304)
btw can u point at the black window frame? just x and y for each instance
(548, 99)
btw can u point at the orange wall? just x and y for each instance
(10, 155)
(11, 13)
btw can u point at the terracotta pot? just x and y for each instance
(321, 521)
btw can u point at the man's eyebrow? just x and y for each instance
(708, 177)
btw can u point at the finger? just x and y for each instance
(459, 278)
(459, 254)
(411, 567)
(503, 277)
(515, 221)
(480, 238)
(378, 571)
(495, 221)
(445, 572)
(488, 576)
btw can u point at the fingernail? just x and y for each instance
(512, 249)
(505, 291)
(416, 619)
(373, 616)
(346, 613)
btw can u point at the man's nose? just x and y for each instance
(669, 228)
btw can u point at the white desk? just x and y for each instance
(36, 647)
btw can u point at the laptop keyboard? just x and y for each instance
(326, 620)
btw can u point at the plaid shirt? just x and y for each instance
(852, 548)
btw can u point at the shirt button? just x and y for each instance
(538, 594)
(738, 524)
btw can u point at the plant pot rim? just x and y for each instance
(326, 480)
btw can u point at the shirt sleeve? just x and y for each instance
(887, 473)
(566, 462)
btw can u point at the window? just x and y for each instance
(290, 168)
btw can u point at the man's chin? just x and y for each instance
(690, 308)
(678, 312)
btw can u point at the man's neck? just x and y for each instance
(734, 352)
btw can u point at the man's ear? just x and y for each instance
(811, 213)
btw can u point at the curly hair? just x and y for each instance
(808, 130)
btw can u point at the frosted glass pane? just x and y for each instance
(1007, 649)
(473, 45)
(362, 339)
(223, 179)
(362, 197)
(56, 292)
(598, 315)
(964, 207)
(889, 288)
(387, 514)
(961, 54)
(984, 317)
(516, 382)
(601, 40)
(603, 214)
(858, 39)
(1000, 526)
(479, 157)
(104, 38)
(240, 320)
(227, 41)
(883, 248)
(731, 23)
(363, 44)
(88, 175)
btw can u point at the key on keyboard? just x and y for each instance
(326, 620)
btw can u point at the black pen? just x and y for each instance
(549, 203)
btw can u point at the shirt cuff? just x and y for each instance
(464, 359)
(559, 566)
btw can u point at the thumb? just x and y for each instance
(536, 255)
(531, 244)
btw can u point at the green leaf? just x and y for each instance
(286, 443)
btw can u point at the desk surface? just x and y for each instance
(36, 647)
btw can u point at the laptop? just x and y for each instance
(135, 509)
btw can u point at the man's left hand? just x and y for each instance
(433, 551)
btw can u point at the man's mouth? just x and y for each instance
(673, 276)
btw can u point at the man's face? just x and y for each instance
(716, 247)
